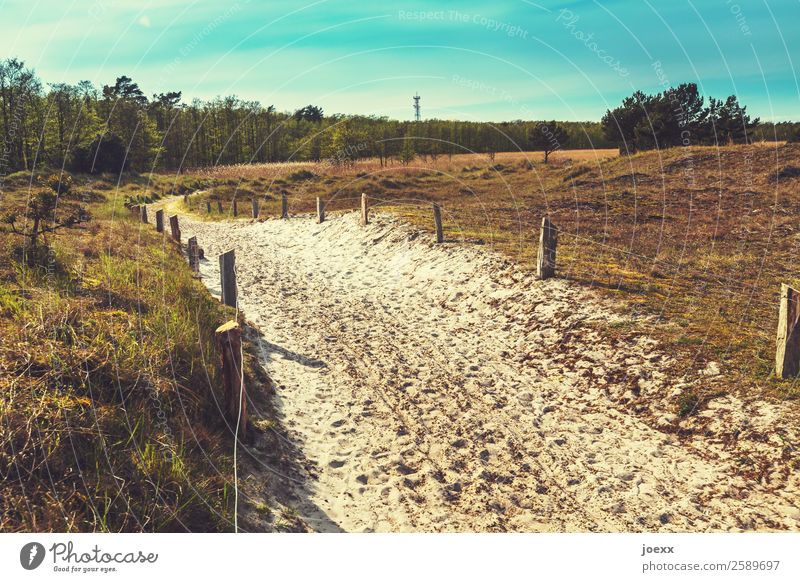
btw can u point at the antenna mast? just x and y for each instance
(417, 115)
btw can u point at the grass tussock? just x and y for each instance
(108, 380)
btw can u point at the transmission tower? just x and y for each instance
(417, 115)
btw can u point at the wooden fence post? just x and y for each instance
(143, 215)
(546, 259)
(135, 210)
(437, 222)
(235, 208)
(173, 225)
(194, 254)
(255, 207)
(219, 206)
(320, 210)
(229, 343)
(160, 220)
(284, 206)
(787, 355)
(208, 206)
(364, 210)
(186, 200)
(227, 276)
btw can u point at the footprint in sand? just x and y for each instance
(404, 469)
(336, 464)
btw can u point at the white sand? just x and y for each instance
(439, 388)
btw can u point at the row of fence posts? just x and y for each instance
(787, 355)
(255, 207)
(548, 234)
(228, 335)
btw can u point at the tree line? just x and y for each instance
(117, 127)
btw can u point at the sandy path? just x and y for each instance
(437, 388)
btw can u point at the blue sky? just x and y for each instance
(506, 59)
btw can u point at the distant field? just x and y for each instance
(699, 237)
(442, 163)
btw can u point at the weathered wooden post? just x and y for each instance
(437, 222)
(234, 394)
(219, 206)
(254, 201)
(208, 207)
(143, 215)
(320, 210)
(135, 210)
(546, 259)
(227, 276)
(235, 208)
(186, 200)
(284, 206)
(364, 210)
(787, 355)
(194, 254)
(173, 225)
(160, 220)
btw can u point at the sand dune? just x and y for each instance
(440, 388)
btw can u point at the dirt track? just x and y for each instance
(439, 388)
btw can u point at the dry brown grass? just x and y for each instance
(699, 237)
(107, 369)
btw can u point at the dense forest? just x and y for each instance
(116, 127)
